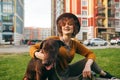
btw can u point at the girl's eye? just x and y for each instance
(70, 24)
(63, 24)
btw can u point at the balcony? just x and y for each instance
(100, 6)
(100, 15)
(111, 16)
(111, 5)
(111, 25)
(100, 25)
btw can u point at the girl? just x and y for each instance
(68, 26)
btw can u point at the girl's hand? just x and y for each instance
(39, 55)
(87, 69)
(87, 72)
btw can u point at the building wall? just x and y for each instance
(31, 33)
(117, 16)
(11, 21)
(44, 33)
(53, 17)
(57, 9)
(107, 23)
(19, 21)
(28, 33)
(6, 21)
(88, 12)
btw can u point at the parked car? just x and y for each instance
(96, 42)
(86, 42)
(32, 42)
(118, 43)
(114, 41)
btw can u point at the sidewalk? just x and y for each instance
(25, 48)
(14, 48)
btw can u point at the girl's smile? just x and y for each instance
(67, 29)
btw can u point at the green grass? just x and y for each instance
(108, 60)
(12, 66)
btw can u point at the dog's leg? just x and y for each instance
(25, 78)
(30, 71)
(38, 76)
(38, 66)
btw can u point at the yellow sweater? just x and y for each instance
(65, 56)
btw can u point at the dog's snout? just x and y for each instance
(48, 62)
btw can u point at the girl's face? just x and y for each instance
(67, 28)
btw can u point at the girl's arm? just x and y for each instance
(87, 69)
(33, 49)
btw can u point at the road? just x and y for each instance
(103, 47)
(14, 49)
(25, 48)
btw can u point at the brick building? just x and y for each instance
(98, 18)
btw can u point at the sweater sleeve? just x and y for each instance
(33, 49)
(81, 49)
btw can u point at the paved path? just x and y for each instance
(14, 49)
(25, 48)
(103, 47)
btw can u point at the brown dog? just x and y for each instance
(38, 69)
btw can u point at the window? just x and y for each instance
(117, 14)
(84, 35)
(84, 2)
(7, 8)
(84, 22)
(7, 18)
(117, 23)
(84, 13)
(117, 5)
(6, 0)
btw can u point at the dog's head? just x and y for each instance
(50, 49)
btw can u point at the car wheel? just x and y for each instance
(92, 44)
(105, 44)
(118, 43)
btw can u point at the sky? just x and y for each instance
(37, 13)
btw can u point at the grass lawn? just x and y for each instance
(12, 66)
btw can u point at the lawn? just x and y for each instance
(12, 66)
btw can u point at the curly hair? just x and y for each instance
(71, 19)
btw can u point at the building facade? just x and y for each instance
(11, 21)
(98, 18)
(107, 19)
(44, 33)
(57, 8)
(31, 33)
(28, 33)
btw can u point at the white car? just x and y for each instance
(115, 41)
(86, 42)
(98, 41)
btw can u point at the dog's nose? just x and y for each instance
(48, 63)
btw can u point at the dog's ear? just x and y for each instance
(60, 43)
(41, 45)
